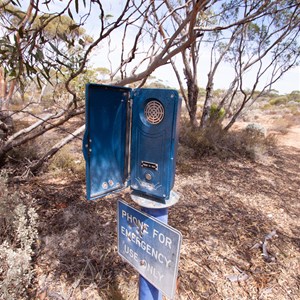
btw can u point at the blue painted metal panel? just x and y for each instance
(150, 246)
(138, 126)
(153, 150)
(104, 144)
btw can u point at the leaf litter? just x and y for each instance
(239, 221)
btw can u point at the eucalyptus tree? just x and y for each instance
(260, 52)
(254, 36)
(30, 48)
(33, 44)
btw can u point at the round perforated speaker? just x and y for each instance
(154, 112)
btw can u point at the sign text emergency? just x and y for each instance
(150, 246)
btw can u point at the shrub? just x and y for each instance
(283, 124)
(29, 151)
(253, 146)
(202, 141)
(294, 96)
(18, 232)
(66, 160)
(215, 113)
(256, 129)
(214, 140)
(279, 100)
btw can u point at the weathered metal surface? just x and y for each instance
(130, 139)
(150, 246)
(149, 203)
(104, 144)
(154, 141)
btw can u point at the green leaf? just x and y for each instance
(27, 69)
(76, 6)
(54, 48)
(15, 39)
(20, 31)
(81, 42)
(47, 77)
(47, 73)
(17, 2)
(39, 81)
(39, 55)
(70, 14)
(12, 73)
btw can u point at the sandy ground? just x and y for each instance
(291, 138)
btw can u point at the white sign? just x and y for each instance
(150, 246)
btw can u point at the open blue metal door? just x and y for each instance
(106, 139)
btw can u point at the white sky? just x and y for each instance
(286, 84)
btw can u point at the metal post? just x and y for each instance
(146, 290)
(159, 211)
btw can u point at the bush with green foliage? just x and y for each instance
(18, 229)
(294, 96)
(279, 100)
(216, 114)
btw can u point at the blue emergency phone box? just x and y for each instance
(131, 140)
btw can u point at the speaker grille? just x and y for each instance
(154, 112)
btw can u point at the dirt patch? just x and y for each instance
(291, 138)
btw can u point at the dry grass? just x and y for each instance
(67, 162)
(283, 124)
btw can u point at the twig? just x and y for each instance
(263, 246)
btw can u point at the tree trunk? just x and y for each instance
(36, 130)
(6, 121)
(42, 94)
(9, 95)
(3, 89)
(193, 92)
(190, 72)
(207, 103)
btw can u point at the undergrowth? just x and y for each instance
(214, 140)
(18, 231)
(67, 160)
